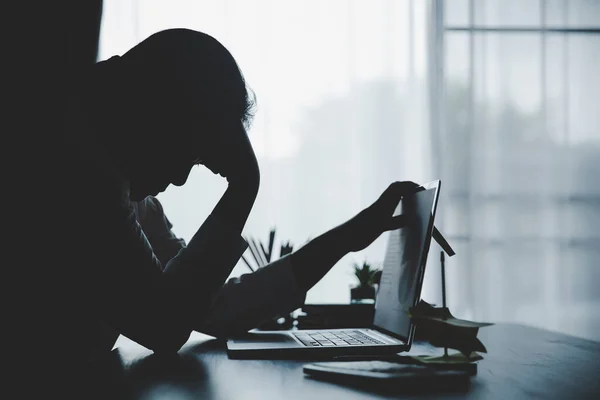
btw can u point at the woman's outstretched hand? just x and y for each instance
(371, 222)
(312, 261)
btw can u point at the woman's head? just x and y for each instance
(170, 100)
(184, 73)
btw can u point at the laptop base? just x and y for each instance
(281, 345)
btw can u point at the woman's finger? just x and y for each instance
(390, 198)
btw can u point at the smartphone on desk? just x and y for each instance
(383, 374)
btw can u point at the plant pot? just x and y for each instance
(362, 294)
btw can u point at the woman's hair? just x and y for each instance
(174, 76)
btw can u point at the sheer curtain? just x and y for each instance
(343, 110)
(521, 145)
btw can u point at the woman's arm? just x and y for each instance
(280, 287)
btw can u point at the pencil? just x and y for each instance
(259, 254)
(253, 252)
(267, 257)
(247, 263)
(271, 243)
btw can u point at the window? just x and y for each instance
(495, 97)
(521, 143)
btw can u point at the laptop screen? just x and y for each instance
(404, 264)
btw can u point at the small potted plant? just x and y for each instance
(368, 277)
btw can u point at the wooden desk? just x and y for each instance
(522, 362)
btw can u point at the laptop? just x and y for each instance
(400, 286)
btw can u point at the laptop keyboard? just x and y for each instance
(336, 338)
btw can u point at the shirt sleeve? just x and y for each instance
(244, 303)
(158, 229)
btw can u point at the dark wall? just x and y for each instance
(48, 43)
